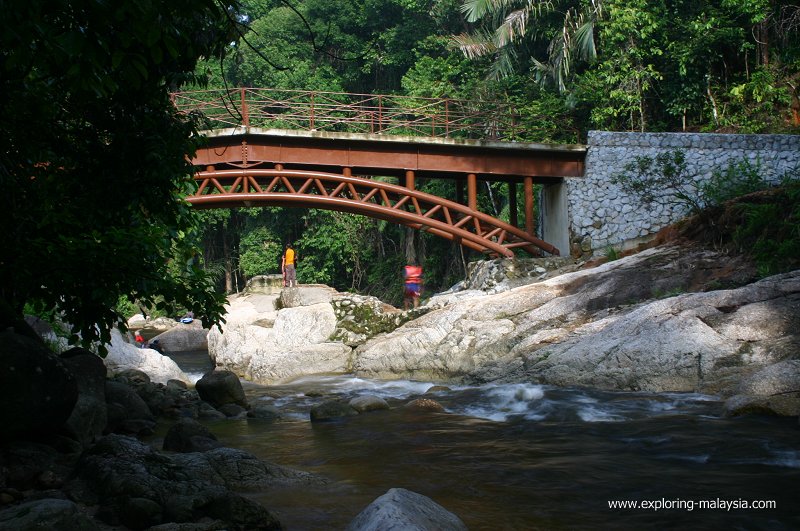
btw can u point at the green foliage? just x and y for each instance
(770, 229)
(94, 168)
(125, 307)
(611, 253)
(739, 178)
(664, 179)
(661, 179)
(260, 252)
(330, 249)
(648, 65)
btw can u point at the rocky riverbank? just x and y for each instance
(679, 317)
(79, 451)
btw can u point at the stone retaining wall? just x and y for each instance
(601, 215)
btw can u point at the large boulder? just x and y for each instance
(47, 513)
(264, 284)
(137, 487)
(624, 325)
(90, 416)
(406, 510)
(700, 342)
(360, 317)
(265, 345)
(128, 413)
(221, 387)
(773, 390)
(188, 435)
(184, 337)
(123, 356)
(307, 295)
(37, 390)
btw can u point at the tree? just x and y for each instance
(94, 168)
(568, 26)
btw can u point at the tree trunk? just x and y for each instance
(411, 248)
(228, 261)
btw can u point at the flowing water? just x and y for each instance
(526, 456)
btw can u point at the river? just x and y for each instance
(526, 456)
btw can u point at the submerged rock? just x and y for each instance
(365, 403)
(331, 410)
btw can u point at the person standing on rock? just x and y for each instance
(288, 262)
(412, 274)
(140, 342)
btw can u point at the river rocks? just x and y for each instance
(406, 510)
(307, 295)
(48, 513)
(188, 435)
(331, 410)
(183, 337)
(37, 390)
(137, 487)
(494, 276)
(425, 404)
(267, 346)
(240, 471)
(127, 412)
(156, 325)
(123, 355)
(89, 416)
(365, 403)
(702, 342)
(360, 317)
(623, 325)
(220, 387)
(264, 284)
(773, 390)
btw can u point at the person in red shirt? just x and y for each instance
(413, 285)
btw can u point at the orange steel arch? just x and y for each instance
(313, 189)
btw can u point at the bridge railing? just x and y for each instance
(351, 113)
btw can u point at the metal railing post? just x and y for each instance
(245, 116)
(380, 113)
(447, 118)
(311, 115)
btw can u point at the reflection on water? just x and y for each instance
(526, 456)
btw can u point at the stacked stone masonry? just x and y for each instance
(601, 215)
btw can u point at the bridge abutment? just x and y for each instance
(601, 214)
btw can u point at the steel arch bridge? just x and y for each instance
(357, 195)
(332, 150)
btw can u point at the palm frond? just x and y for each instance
(584, 41)
(474, 46)
(477, 9)
(512, 28)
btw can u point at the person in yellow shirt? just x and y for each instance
(288, 262)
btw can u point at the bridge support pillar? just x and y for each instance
(512, 204)
(472, 191)
(529, 228)
(410, 180)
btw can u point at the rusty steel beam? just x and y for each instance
(391, 156)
